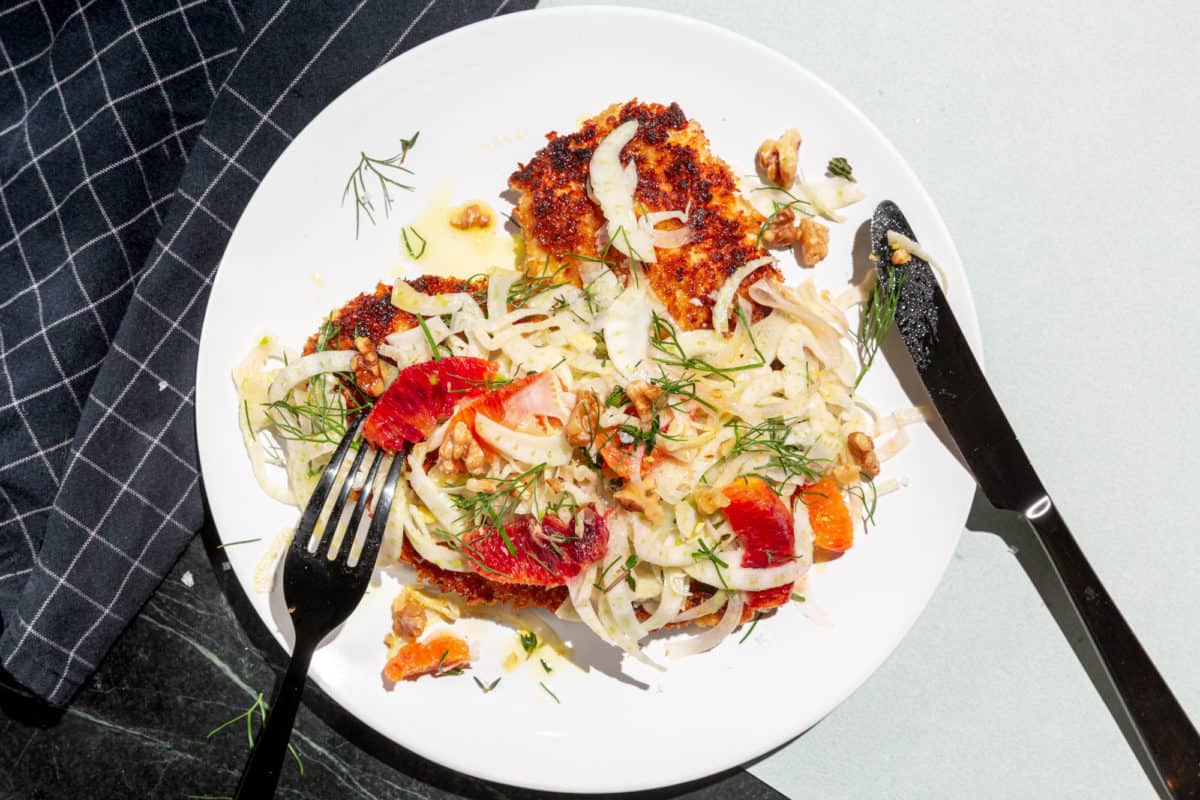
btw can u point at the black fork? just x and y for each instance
(320, 593)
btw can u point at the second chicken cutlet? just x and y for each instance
(676, 172)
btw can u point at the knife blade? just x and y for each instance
(951, 375)
(1167, 741)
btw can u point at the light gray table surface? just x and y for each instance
(1059, 141)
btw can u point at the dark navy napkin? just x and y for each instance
(132, 135)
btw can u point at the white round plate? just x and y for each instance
(483, 97)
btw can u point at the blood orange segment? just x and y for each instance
(619, 457)
(493, 404)
(421, 396)
(443, 652)
(763, 523)
(769, 598)
(545, 555)
(829, 516)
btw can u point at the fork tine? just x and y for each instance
(356, 516)
(320, 494)
(339, 505)
(383, 507)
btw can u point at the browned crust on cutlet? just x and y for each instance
(475, 589)
(676, 171)
(373, 315)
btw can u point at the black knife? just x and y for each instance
(988, 445)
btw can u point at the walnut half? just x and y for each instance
(408, 616)
(814, 242)
(862, 450)
(643, 499)
(472, 215)
(461, 453)
(581, 426)
(367, 371)
(778, 159)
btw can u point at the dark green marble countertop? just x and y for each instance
(196, 657)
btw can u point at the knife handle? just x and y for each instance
(1168, 739)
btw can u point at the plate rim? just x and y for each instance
(967, 315)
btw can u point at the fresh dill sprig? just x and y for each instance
(486, 687)
(665, 340)
(599, 582)
(529, 642)
(408, 245)
(467, 551)
(861, 490)
(552, 694)
(878, 316)
(494, 508)
(434, 347)
(320, 416)
(770, 438)
(545, 666)
(441, 666)
(706, 553)
(799, 598)
(794, 203)
(527, 287)
(616, 398)
(840, 168)
(239, 541)
(259, 706)
(750, 630)
(382, 170)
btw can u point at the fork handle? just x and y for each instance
(1167, 738)
(262, 769)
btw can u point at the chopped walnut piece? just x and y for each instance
(845, 474)
(781, 229)
(584, 421)
(777, 160)
(709, 500)
(643, 396)
(367, 371)
(814, 242)
(472, 215)
(643, 499)
(408, 616)
(862, 450)
(460, 452)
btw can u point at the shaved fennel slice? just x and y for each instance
(724, 302)
(618, 602)
(431, 495)
(627, 330)
(611, 187)
(528, 448)
(664, 548)
(897, 240)
(308, 366)
(266, 568)
(406, 298)
(750, 579)
(827, 195)
(710, 606)
(499, 282)
(714, 635)
(826, 338)
(674, 593)
(412, 346)
(427, 546)
(667, 239)
(579, 589)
